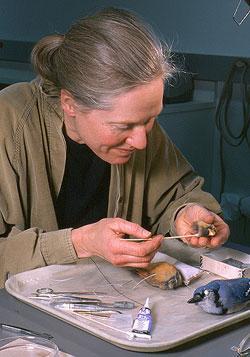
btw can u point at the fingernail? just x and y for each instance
(146, 233)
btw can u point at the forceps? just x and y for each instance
(74, 298)
(123, 305)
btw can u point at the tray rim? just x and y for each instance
(142, 346)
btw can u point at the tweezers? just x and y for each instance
(23, 330)
(81, 308)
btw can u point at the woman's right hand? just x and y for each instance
(105, 239)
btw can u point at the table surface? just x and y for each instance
(79, 343)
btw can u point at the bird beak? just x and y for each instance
(195, 298)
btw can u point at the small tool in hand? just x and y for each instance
(200, 228)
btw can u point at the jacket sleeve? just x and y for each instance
(171, 184)
(33, 248)
(20, 248)
(22, 245)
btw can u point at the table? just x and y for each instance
(80, 344)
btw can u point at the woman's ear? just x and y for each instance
(68, 103)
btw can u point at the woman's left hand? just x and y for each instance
(192, 213)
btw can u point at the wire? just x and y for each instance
(112, 285)
(227, 134)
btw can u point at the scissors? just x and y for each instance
(50, 291)
(48, 294)
(70, 298)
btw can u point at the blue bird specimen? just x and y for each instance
(223, 296)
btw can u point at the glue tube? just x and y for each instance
(142, 325)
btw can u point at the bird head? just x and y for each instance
(202, 293)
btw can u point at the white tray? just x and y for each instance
(174, 320)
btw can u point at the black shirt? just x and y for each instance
(83, 197)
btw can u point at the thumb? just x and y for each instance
(207, 216)
(198, 213)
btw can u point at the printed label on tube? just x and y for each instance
(142, 326)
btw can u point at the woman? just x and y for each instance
(83, 161)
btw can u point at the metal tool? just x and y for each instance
(118, 305)
(146, 239)
(47, 294)
(243, 350)
(244, 9)
(64, 298)
(78, 293)
(22, 330)
(103, 313)
(124, 305)
(78, 307)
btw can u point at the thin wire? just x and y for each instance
(242, 134)
(112, 285)
(128, 333)
(147, 277)
(222, 114)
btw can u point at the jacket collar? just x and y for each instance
(51, 93)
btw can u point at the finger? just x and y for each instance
(198, 242)
(122, 226)
(207, 217)
(222, 233)
(209, 242)
(140, 249)
(137, 265)
(196, 212)
(203, 242)
(131, 260)
(194, 241)
(217, 242)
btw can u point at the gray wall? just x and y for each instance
(189, 26)
(196, 26)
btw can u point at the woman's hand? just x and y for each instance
(192, 213)
(105, 239)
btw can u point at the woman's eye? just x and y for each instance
(123, 127)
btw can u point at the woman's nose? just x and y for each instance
(138, 138)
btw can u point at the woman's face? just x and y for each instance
(115, 134)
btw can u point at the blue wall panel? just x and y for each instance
(204, 27)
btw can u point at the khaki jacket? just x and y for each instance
(147, 190)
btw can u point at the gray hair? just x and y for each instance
(101, 57)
